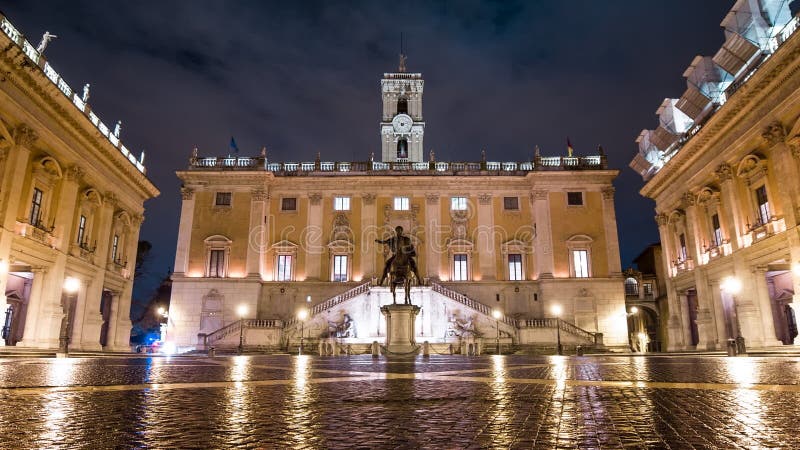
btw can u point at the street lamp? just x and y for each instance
(163, 313)
(71, 287)
(556, 310)
(732, 286)
(241, 311)
(497, 314)
(301, 316)
(634, 310)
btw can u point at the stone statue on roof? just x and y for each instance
(46, 38)
(402, 66)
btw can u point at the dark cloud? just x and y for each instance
(302, 77)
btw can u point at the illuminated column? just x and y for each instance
(112, 319)
(543, 240)
(122, 322)
(610, 228)
(433, 253)
(85, 316)
(784, 166)
(369, 233)
(730, 205)
(793, 236)
(675, 330)
(256, 242)
(667, 247)
(64, 207)
(682, 323)
(765, 307)
(485, 238)
(34, 311)
(184, 231)
(314, 249)
(709, 306)
(263, 264)
(104, 221)
(692, 230)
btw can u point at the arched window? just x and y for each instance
(402, 105)
(631, 287)
(402, 149)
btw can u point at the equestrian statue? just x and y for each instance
(401, 265)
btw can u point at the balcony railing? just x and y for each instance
(540, 163)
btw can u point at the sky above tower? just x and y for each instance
(303, 77)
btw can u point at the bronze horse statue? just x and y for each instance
(401, 274)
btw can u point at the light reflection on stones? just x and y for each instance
(238, 407)
(58, 406)
(501, 412)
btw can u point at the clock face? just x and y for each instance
(402, 123)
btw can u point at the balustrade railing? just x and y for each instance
(564, 326)
(470, 303)
(333, 301)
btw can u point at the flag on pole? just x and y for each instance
(233, 146)
(569, 148)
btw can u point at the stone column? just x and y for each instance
(15, 161)
(764, 303)
(730, 205)
(103, 227)
(783, 165)
(256, 243)
(112, 319)
(65, 207)
(543, 248)
(122, 322)
(184, 231)
(793, 238)
(667, 249)
(369, 232)
(315, 250)
(708, 300)
(610, 228)
(681, 323)
(693, 232)
(34, 311)
(676, 339)
(433, 223)
(83, 317)
(485, 238)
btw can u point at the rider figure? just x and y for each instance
(396, 244)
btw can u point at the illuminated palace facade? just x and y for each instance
(724, 169)
(71, 198)
(505, 238)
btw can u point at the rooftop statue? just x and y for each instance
(46, 38)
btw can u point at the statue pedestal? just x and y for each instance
(400, 329)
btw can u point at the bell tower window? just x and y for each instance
(402, 148)
(402, 106)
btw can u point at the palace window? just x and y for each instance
(289, 204)
(511, 203)
(284, 268)
(216, 263)
(648, 288)
(580, 263)
(631, 287)
(458, 204)
(515, 267)
(81, 228)
(682, 250)
(339, 267)
(114, 247)
(575, 198)
(716, 229)
(402, 148)
(341, 203)
(460, 272)
(763, 204)
(402, 105)
(223, 199)
(36, 206)
(401, 204)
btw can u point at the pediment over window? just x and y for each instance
(49, 167)
(460, 246)
(217, 240)
(676, 216)
(515, 246)
(579, 240)
(284, 246)
(707, 195)
(341, 246)
(751, 165)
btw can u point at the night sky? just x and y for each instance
(302, 77)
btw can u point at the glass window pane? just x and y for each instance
(460, 267)
(580, 260)
(515, 267)
(401, 203)
(340, 268)
(284, 267)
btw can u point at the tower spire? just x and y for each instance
(402, 66)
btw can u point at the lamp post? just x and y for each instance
(301, 316)
(556, 310)
(241, 311)
(497, 314)
(71, 287)
(732, 286)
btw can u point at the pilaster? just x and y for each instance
(610, 228)
(433, 213)
(543, 235)
(485, 238)
(313, 238)
(764, 303)
(730, 205)
(65, 207)
(256, 234)
(184, 231)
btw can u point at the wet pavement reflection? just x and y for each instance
(437, 402)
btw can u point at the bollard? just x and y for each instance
(375, 349)
(212, 352)
(426, 349)
(731, 345)
(579, 350)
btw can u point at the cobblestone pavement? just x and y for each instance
(441, 402)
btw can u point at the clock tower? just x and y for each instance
(402, 126)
